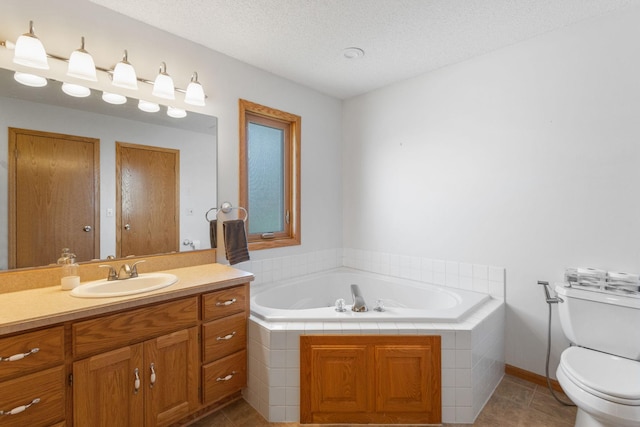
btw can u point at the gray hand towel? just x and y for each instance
(235, 241)
(213, 233)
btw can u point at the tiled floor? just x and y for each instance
(515, 403)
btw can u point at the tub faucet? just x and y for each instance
(358, 301)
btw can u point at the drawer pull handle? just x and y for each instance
(19, 356)
(227, 378)
(136, 381)
(222, 304)
(153, 376)
(19, 409)
(226, 337)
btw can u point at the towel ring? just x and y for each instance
(226, 207)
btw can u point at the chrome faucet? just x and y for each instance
(126, 271)
(358, 301)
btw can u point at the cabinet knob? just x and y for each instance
(87, 228)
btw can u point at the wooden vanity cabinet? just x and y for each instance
(32, 379)
(155, 365)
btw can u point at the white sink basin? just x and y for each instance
(116, 288)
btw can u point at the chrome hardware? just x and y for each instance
(340, 305)
(227, 378)
(87, 228)
(127, 227)
(231, 301)
(153, 376)
(113, 275)
(226, 337)
(136, 381)
(550, 300)
(19, 409)
(19, 356)
(126, 271)
(268, 236)
(358, 301)
(379, 306)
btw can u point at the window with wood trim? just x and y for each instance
(270, 175)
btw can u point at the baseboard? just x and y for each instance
(531, 377)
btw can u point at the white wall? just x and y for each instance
(527, 157)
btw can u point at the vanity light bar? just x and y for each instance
(29, 52)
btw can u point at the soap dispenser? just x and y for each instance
(70, 278)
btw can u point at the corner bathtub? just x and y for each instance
(313, 298)
(470, 324)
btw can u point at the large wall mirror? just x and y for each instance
(48, 109)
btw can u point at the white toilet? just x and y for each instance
(601, 371)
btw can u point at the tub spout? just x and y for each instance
(358, 301)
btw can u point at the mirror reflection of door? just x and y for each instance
(53, 197)
(147, 198)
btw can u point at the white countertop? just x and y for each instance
(40, 307)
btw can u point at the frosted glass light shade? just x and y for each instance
(76, 90)
(113, 98)
(124, 75)
(148, 107)
(29, 51)
(176, 113)
(81, 65)
(29, 79)
(163, 85)
(195, 92)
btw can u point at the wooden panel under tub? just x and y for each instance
(375, 379)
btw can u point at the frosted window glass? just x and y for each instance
(266, 178)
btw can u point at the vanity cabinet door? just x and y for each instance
(171, 377)
(108, 389)
(224, 377)
(224, 336)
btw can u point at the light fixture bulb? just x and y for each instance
(29, 51)
(195, 92)
(81, 64)
(176, 113)
(148, 107)
(163, 85)
(113, 98)
(29, 79)
(124, 75)
(76, 90)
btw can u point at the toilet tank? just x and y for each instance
(600, 320)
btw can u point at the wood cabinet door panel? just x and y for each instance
(224, 337)
(40, 349)
(46, 386)
(371, 379)
(104, 389)
(171, 364)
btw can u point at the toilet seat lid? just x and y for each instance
(607, 376)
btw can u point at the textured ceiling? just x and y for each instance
(303, 40)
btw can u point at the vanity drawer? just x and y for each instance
(31, 351)
(224, 336)
(48, 386)
(133, 326)
(224, 377)
(224, 302)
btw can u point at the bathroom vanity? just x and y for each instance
(154, 359)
